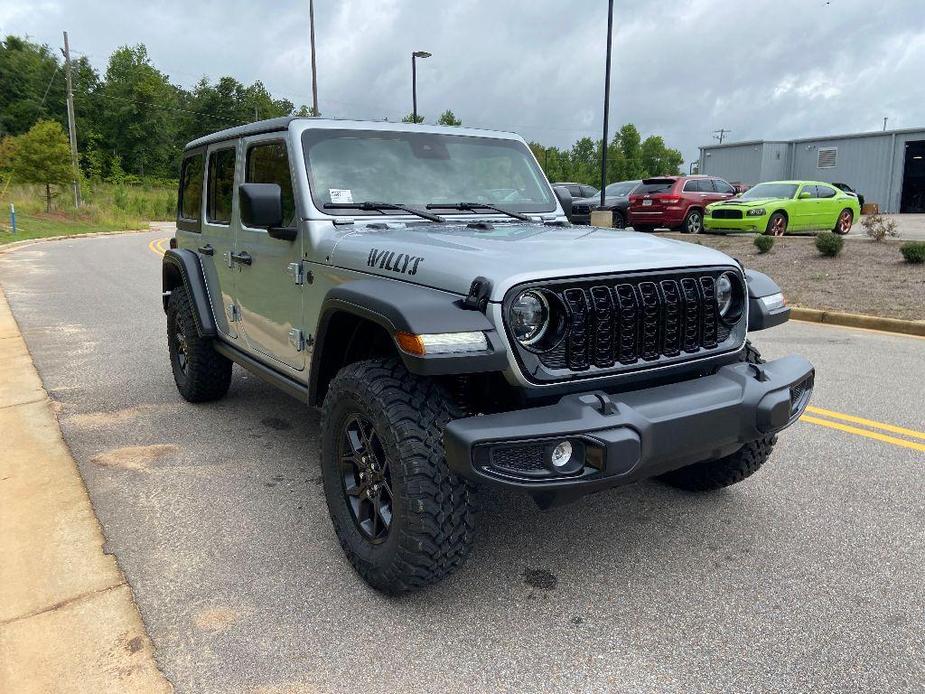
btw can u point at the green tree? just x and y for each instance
(658, 159)
(448, 118)
(410, 118)
(43, 156)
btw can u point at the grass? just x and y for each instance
(106, 207)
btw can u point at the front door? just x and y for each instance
(805, 209)
(267, 289)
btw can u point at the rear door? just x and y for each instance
(724, 189)
(268, 290)
(217, 238)
(828, 208)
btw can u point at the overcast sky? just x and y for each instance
(762, 68)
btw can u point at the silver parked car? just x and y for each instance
(422, 287)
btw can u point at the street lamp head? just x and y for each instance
(421, 54)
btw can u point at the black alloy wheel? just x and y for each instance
(365, 477)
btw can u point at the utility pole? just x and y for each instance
(71, 125)
(311, 22)
(885, 119)
(720, 134)
(606, 101)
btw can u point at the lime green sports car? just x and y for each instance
(781, 206)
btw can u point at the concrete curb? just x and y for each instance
(857, 320)
(7, 247)
(68, 620)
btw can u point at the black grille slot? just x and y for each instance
(726, 214)
(637, 321)
(524, 458)
(577, 339)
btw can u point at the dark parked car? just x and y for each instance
(851, 191)
(616, 199)
(579, 192)
(676, 202)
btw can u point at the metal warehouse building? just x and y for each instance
(887, 167)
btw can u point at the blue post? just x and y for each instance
(13, 217)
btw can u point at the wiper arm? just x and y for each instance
(367, 205)
(472, 206)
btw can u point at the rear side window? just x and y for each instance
(269, 163)
(190, 202)
(653, 187)
(221, 186)
(698, 185)
(825, 192)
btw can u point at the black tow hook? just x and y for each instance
(601, 402)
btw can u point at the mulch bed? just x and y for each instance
(867, 277)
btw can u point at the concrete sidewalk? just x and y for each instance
(68, 622)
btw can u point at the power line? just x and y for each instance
(720, 134)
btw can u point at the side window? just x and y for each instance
(221, 186)
(809, 189)
(825, 192)
(269, 163)
(190, 203)
(723, 187)
(692, 186)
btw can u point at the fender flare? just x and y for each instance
(402, 306)
(182, 266)
(759, 316)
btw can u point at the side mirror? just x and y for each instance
(262, 208)
(565, 199)
(805, 195)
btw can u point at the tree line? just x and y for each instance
(132, 122)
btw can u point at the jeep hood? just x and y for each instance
(449, 256)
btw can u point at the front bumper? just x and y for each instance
(619, 439)
(758, 224)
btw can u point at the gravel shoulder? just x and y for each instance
(867, 277)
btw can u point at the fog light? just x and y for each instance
(561, 454)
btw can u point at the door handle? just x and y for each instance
(243, 257)
(207, 249)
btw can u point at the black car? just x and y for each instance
(616, 199)
(851, 191)
(578, 190)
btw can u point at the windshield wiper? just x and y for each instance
(473, 206)
(381, 207)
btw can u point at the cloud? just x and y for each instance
(764, 69)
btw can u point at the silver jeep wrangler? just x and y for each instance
(422, 286)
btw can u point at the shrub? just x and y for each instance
(764, 243)
(913, 252)
(829, 244)
(878, 228)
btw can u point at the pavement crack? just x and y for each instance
(27, 402)
(61, 603)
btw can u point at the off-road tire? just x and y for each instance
(207, 374)
(432, 509)
(693, 222)
(723, 472)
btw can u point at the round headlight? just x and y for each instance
(724, 294)
(529, 316)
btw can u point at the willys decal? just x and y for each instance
(401, 263)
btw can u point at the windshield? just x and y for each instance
(654, 186)
(770, 190)
(354, 166)
(623, 188)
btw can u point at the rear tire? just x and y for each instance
(423, 531)
(201, 373)
(618, 221)
(693, 222)
(844, 222)
(731, 469)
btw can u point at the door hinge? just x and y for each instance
(299, 274)
(297, 339)
(231, 310)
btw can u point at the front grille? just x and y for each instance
(581, 209)
(636, 321)
(522, 458)
(726, 214)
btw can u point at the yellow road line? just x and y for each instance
(159, 246)
(867, 422)
(864, 432)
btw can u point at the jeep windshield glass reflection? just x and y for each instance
(354, 166)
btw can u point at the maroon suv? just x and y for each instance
(676, 202)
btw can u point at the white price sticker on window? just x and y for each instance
(340, 194)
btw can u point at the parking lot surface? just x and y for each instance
(808, 576)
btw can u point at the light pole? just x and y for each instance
(414, 82)
(606, 101)
(311, 24)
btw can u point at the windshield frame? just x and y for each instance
(745, 195)
(311, 136)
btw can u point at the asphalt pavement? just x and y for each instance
(809, 576)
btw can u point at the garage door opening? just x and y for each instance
(913, 194)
